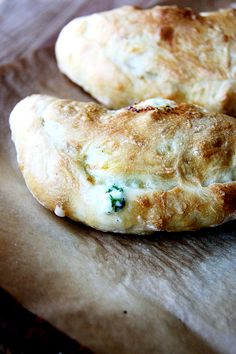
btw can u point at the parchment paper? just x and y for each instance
(166, 293)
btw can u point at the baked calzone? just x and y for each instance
(128, 54)
(155, 165)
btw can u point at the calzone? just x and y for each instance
(155, 165)
(128, 55)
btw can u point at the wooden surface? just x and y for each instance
(23, 332)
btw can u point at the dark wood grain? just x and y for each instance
(23, 332)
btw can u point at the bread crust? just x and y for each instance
(157, 165)
(129, 54)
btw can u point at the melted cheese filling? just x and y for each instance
(156, 102)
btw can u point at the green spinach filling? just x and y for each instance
(116, 196)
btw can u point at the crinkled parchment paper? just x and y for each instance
(166, 293)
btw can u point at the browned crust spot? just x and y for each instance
(166, 33)
(227, 194)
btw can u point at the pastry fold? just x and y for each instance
(156, 165)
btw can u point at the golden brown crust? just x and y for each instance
(128, 55)
(170, 166)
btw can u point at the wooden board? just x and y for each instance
(23, 332)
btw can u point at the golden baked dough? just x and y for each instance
(128, 55)
(156, 165)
